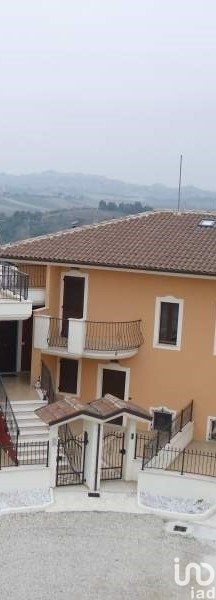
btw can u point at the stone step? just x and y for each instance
(25, 406)
(33, 436)
(29, 418)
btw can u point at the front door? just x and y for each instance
(113, 382)
(73, 300)
(26, 344)
(162, 420)
(8, 346)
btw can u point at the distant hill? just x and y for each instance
(25, 224)
(52, 190)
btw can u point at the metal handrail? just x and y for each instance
(9, 416)
(154, 441)
(47, 383)
(13, 283)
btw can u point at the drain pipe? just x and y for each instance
(95, 493)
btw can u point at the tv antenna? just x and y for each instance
(180, 180)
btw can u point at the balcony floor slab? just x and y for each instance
(18, 388)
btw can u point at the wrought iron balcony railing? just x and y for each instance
(36, 275)
(13, 283)
(98, 336)
(113, 336)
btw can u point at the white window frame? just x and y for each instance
(79, 374)
(214, 346)
(74, 273)
(163, 408)
(208, 428)
(172, 300)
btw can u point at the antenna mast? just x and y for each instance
(180, 179)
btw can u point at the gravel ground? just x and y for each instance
(100, 556)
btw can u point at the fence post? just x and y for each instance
(181, 420)
(17, 438)
(143, 458)
(183, 457)
(158, 439)
(135, 450)
(47, 457)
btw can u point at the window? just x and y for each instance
(68, 376)
(168, 323)
(207, 223)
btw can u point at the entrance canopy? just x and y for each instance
(101, 410)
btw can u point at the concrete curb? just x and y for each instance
(169, 515)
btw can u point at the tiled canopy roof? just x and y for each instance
(106, 408)
(154, 241)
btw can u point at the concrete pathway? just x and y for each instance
(115, 496)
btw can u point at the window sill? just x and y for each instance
(166, 347)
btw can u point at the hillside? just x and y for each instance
(52, 190)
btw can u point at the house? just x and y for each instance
(125, 308)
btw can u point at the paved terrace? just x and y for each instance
(18, 388)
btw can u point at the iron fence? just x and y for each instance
(13, 283)
(9, 416)
(47, 384)
(58, 332)
(113, 336)
(28, 453)
(71, 460)
(157, 439)
(191, 461)
(112, 455)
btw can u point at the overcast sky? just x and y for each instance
(112, 87)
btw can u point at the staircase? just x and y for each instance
(31, 427)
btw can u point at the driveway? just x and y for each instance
(100, 556)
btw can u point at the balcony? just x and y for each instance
(36, 283)
(90, 339)
(14, 302)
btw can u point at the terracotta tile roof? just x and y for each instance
(101, 409)
(153, 241)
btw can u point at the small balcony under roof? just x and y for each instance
(14, 301)
(90, 339)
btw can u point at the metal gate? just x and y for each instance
(71, 460)
(112, 455)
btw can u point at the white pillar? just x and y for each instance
(93, 455)
(130, 441)
(53, 450)
(41, 330)
(76, 336)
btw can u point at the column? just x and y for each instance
(93, 456)
(130, 441)
(53, 450)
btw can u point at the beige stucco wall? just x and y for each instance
(158, 376)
